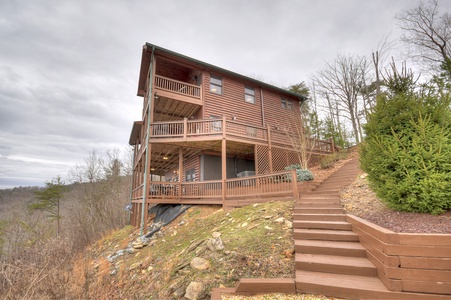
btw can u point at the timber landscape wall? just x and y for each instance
(407, 262)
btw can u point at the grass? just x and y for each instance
(255, 246)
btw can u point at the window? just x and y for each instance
(216, 84)
(287, 104)
(249, 95)
(190, 175)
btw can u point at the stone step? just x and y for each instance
(353, 249)
(319, 217)
(325, 235)
(329, 225)
(360, 266)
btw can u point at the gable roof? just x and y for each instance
(145, 62)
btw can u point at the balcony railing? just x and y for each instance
(186, 129)
(178, 87)
(275, 184)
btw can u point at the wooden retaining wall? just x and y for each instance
(419, 263)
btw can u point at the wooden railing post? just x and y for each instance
(180, 171)
(224, 169)
(185, 128)
(294, 180)
(224, 126)
(269, 148)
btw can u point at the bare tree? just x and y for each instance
(90, 171)
(428, 33)
(378, 58)
(299, 138)
(341, 81)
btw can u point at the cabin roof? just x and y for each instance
(134, 134)
(145, 61)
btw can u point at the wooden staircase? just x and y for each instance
(329, 258)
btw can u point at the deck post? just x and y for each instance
(223, 169)
(150, 101)
(269, 148)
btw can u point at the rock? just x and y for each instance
(140, 243)
(269, 228)
(279, 220)
(200, 263)
(216, 234)
(178, 292)
(193, 290)
(288, 224)
(137, 245)
(215, 244)
(244, 224)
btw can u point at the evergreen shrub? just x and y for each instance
(407, 152)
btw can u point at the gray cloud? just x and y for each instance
(69, 69)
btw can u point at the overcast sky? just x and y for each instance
(69, 69)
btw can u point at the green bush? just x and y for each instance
(301, 174)
(407, 152)
(328, 161)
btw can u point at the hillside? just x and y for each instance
(205, 245)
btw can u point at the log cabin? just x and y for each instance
(210, 136)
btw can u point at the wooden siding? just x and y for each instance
(275, 115)
(192, 163)
(231, 103)
(419, 263)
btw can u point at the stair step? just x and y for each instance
(304, 210)
(330, 248)
(318, 204)
(340, 285)
(340, 178)
(316, 193)
(319, 217)
(325, 235)
(320, 198)
(330, 225)
(329, 190)
(335, 264)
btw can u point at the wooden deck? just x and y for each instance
(230, 193)
(274, 185)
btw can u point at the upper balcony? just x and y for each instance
(177, 90)
(175, 100)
